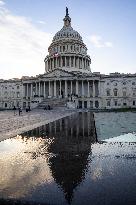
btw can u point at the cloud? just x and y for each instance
(41, 22)
(98, 42)
(2, 3)
(108, 44)
(23, 46)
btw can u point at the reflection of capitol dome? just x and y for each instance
(67, 50)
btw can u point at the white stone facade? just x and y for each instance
(68, 76)
(11, 92)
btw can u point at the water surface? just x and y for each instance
(62, 163)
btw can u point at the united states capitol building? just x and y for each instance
(68, 80)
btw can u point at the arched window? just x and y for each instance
(124, 92)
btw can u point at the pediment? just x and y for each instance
(58, 73)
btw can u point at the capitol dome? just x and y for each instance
(67, 50)
(67, 32)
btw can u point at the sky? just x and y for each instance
(28, 26)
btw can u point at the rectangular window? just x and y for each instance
(115, 92)
(108, 92)
(108, 103)
(124, 93)
(134, 103)
(115, 103)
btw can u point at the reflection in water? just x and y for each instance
(70, 144)
(56, 152)
(60, 163)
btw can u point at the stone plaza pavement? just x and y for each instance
(11, 125)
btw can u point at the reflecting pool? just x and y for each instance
(62, 163)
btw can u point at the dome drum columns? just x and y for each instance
(67, 61)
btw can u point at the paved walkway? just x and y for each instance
(11, 125)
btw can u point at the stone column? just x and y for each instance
(70, 62)
(99, 88)
(39, 89)
(53, 64)
(24, 90)
(49, 88)
(82, 88)
(31, 89)
(82, 63)
(36, 89)
(47, 64)
(85, 63)
(65, 61)
(50, 64)
(66, 89)
(44, 89)
(55, 88)
(27, 94)
(77, 62)
(88, 90)
(76, 87)
(93, 89)
(74, 65)
(71, 87)
(60, 89)
(56, 62)
(61, 62)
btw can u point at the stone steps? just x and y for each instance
(61, 102)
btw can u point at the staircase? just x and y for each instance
(53, 102)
